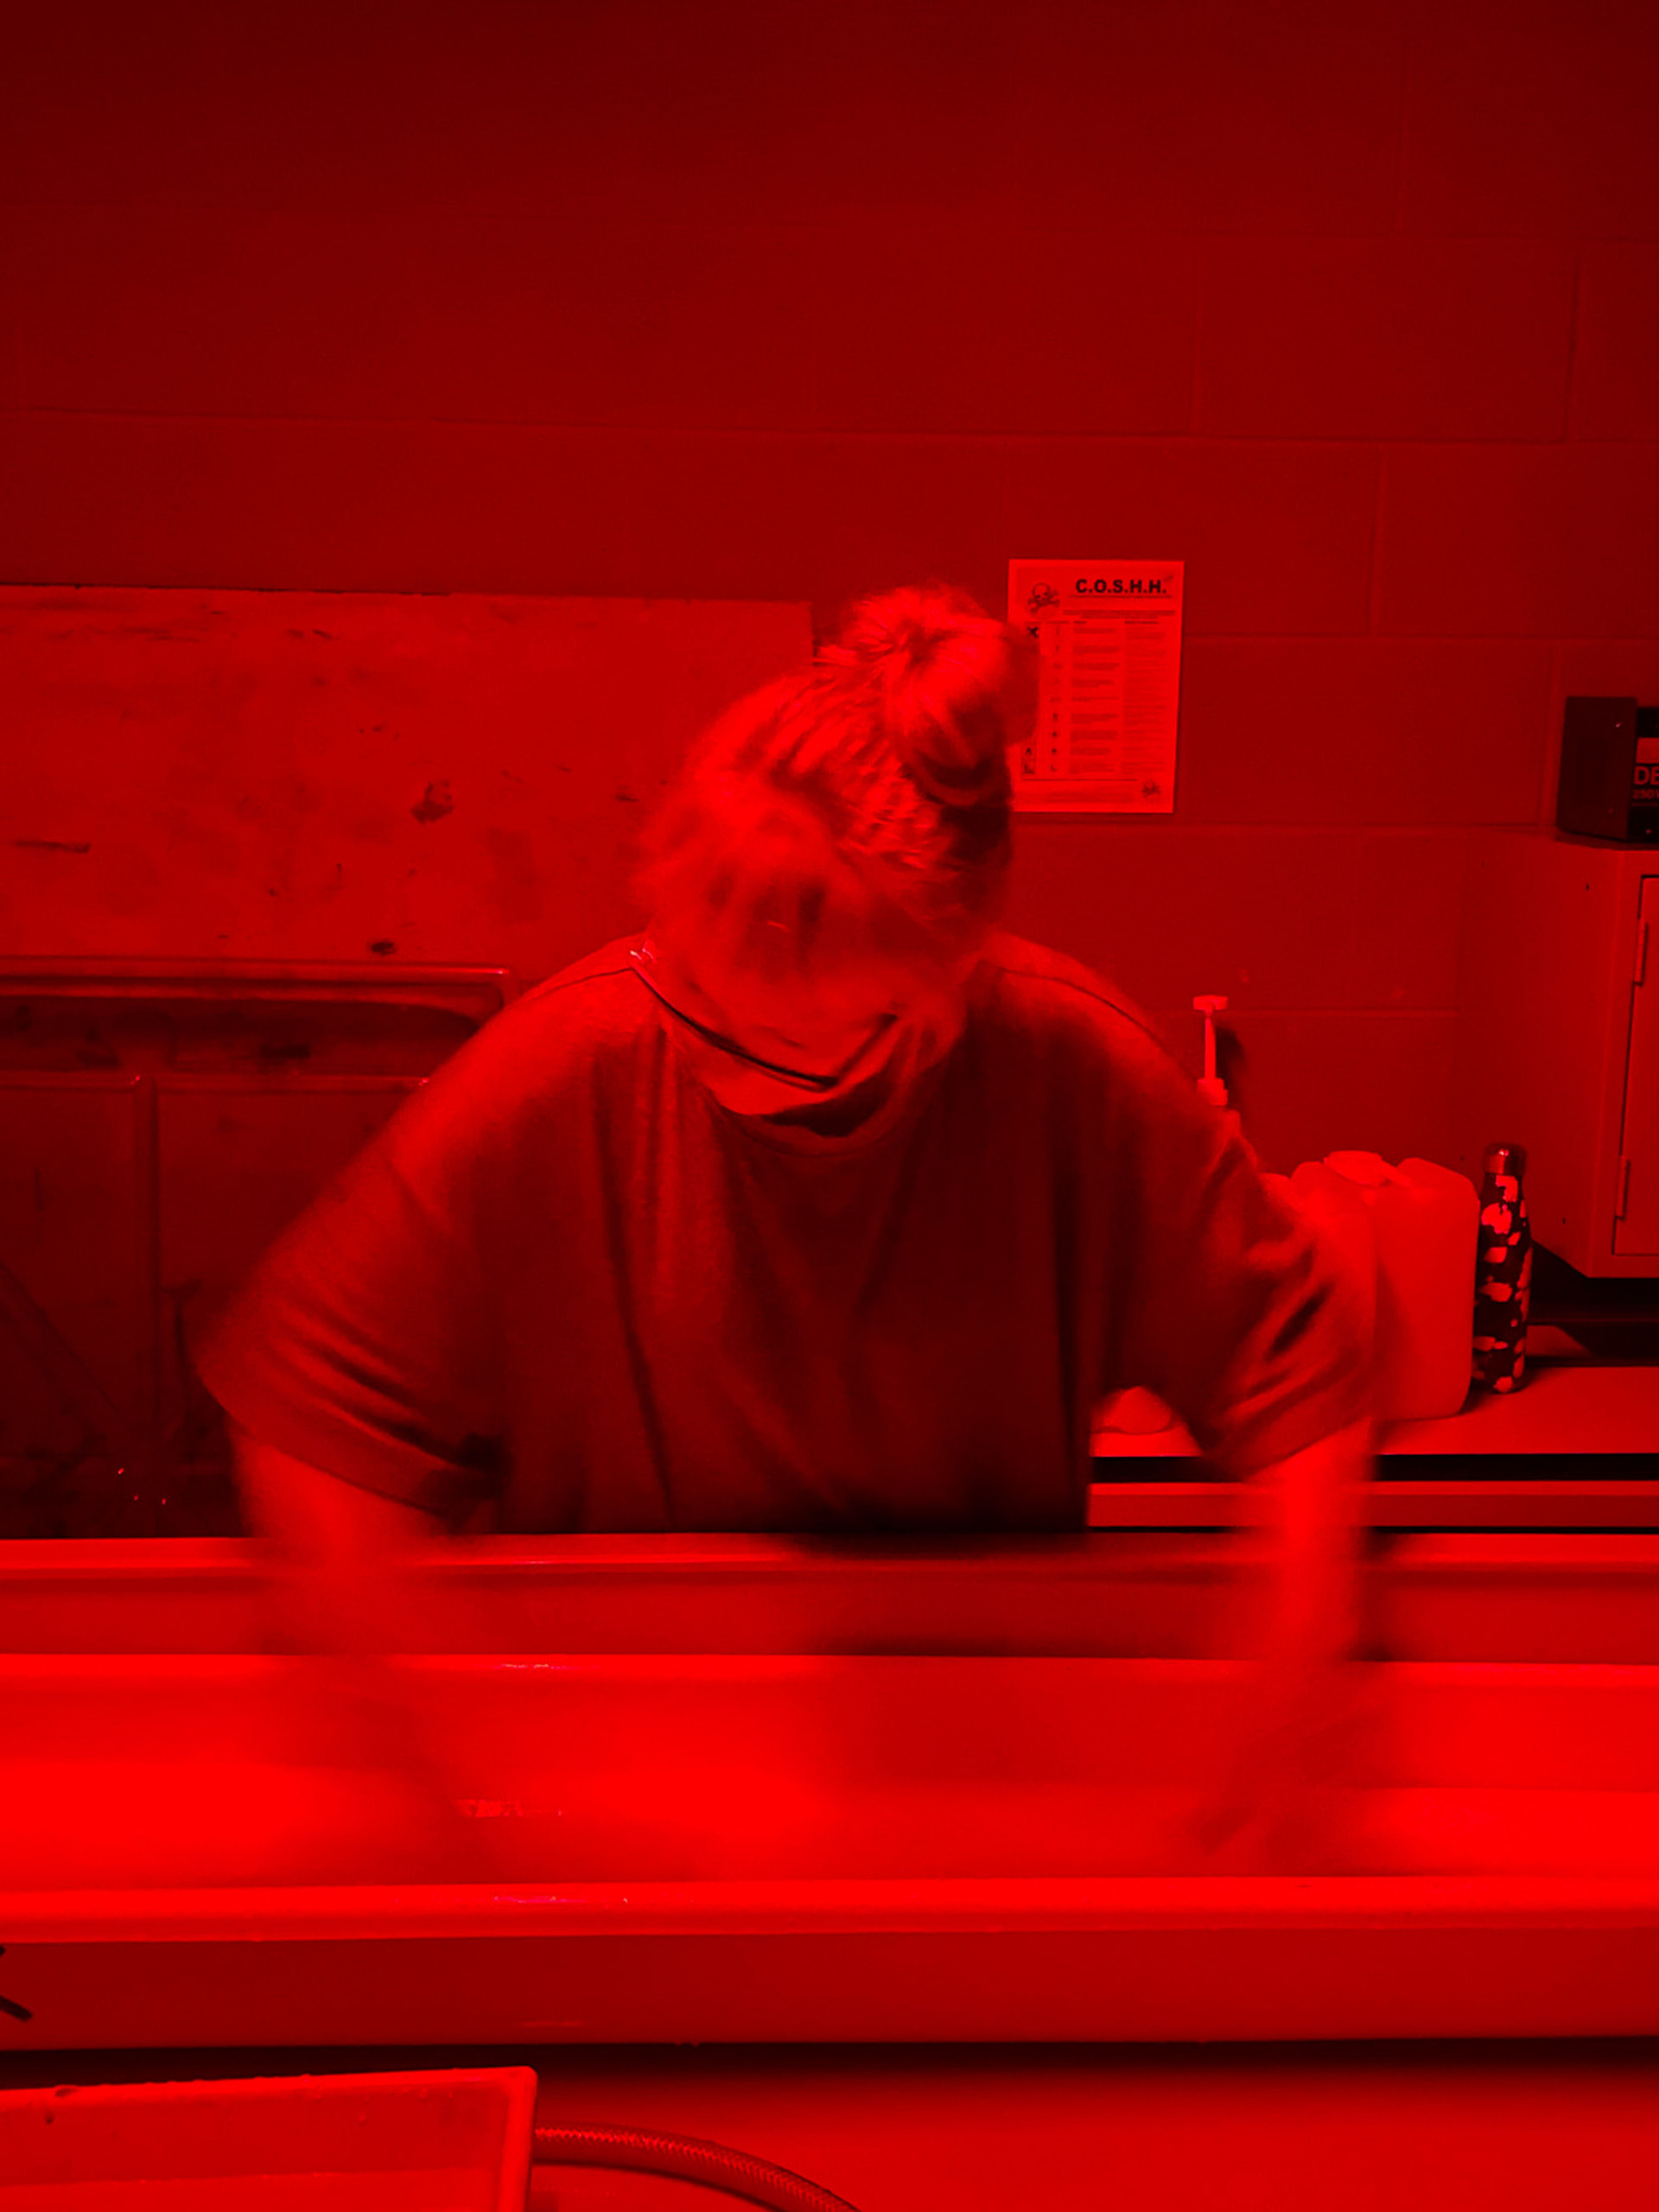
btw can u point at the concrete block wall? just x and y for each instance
(1356, 310)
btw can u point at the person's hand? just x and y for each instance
(366, 1776)
(363, 1791)
(361, 1826)
(1291, 1751)
(1294, 1725)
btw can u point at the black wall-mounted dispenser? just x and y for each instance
(1609, 784)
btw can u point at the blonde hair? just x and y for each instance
(861, 807)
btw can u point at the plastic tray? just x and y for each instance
(449, 2141)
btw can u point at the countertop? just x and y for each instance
(1580, 1434)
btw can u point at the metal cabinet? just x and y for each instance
(1558, 1038)
(1636, 1210)
(161, 1123)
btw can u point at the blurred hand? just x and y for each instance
(362, 1755)
(1293, 1744)
(360, 1735)
(1292, 1732)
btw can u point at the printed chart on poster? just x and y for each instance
(1108, 640)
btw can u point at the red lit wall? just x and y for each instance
(1351, 308)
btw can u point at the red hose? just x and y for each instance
(684, 2158)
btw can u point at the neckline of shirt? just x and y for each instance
(896, 1111)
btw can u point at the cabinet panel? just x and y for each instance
(1553, 1032)
(1636, 1227)
(74, 1247)
(237, 1164)
(159, 1125)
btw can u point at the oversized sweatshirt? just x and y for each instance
(564, 1277)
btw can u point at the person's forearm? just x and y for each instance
(345, 1596)
(338, 1549)
(1311, 1507)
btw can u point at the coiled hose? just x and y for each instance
(685, 2158)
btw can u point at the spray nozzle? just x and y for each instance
(1209, 1085)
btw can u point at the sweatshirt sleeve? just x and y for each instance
(1235, 1316)
(361, 1343)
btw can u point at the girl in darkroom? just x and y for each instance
(824, 1205)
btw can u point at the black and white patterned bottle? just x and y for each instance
(1503, 1271)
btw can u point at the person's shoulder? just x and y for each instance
(1044, 991)
(597, 995)
(1093, 1041)
(555, 1041)
(581, 1019)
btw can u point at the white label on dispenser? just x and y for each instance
(1109, 640)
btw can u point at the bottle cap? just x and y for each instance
(1504, 1159)
(1369, 1168)
(1210, 1007)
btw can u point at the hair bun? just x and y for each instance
(917, 637)
(904, 631)
(955, 687)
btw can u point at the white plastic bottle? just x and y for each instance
(1424, 1221)
(1405, 1237)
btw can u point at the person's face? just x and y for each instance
(863, 1022)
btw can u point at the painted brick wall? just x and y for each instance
(1355, 309)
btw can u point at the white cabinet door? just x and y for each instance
(1636, 1195)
